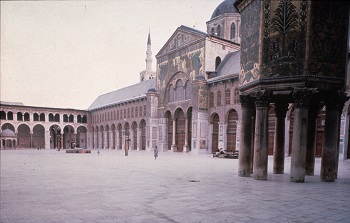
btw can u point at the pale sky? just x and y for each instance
(66, 53)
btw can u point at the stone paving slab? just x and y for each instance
(53, 186)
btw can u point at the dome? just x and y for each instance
(225, 7)
(8, 133)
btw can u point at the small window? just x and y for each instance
(219, 99)
(228, 96)
(233, 31)
(236, 96)
(211, 99)
(217, 62)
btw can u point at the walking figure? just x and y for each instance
(155, 152)
(98, 152)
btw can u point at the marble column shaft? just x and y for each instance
(261, 141)
(246, 145)
(334, 103)
(278, 154)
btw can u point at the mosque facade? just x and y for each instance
(193, 102)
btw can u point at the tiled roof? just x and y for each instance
(124, 94)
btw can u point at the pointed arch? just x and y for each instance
(214, 121)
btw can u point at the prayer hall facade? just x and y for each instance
(266, 78)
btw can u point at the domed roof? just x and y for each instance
(225, 7)
(7, 133)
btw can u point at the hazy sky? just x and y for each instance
(66, 53)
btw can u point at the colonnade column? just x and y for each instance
(117, 139)
(311, 138)
(139, 139)
(105, 139)
(298, 159)
(261, 141)
(246, 145)
(186, 147)
(173, 145)
(47, 139)
(278, 153)
(330, 154)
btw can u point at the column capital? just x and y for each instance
(262, 98)
(246, 100)
(281, 110)
(302, 96)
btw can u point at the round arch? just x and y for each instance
(231, 133)
(69, 137)
(81, 138)
(55, 137)
(24, 136)
(143, 134)
(120, 136)
(38, 136)
(113, 136)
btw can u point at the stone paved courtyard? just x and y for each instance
(52, 186)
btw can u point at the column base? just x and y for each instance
(186, 149)
(173, 148)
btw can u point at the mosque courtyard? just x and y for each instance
(54, 186)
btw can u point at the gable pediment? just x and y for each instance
(181, 37)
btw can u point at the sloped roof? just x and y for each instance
(124, 94)
(229, 67)
(230, 64)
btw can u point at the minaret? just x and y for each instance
(148, 73)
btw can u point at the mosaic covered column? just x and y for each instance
(246, 145)
(298, 159)
(261, 141)
(278, 154)
(334, 104)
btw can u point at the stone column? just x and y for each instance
(278, 153)
(47, 139)
(31, 140)
(131, 138)
(117, 139)
(173, 145)
(246, 146)
(186, 147)
(334, 104)
(105, 138)
(252, 138)
(298, 159)
(110, 139)
(139, 139)
(261, 141)
(311, 138)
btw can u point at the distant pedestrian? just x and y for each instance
(98, 151)
(155, 152)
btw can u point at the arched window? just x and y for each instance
(136, 112)
(233, 31)
(124, 112)
(2, 115)
(71, 118)
(170, 94)
(9, 116)
(188, 90)
(57, 118)
(217, 62)
(19, 116)
(65, 118)
(128, 112)
(236, 96)
(42, 117)
(132, 112)
(117, 115)
(212, 31)
(140, 111)
(79, 118)
(144, 110)
(35, 117)
(218, 31)
(211, 99)
(51, 118)
(228, 96)
(26, 117)
(179, 91)
(84, 119)
(218, 103)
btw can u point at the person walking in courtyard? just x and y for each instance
(155, 152)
